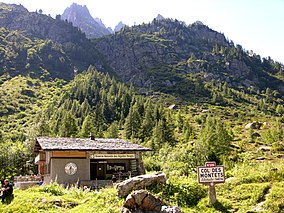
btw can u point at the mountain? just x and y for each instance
(38, 45)
(159, 17)
(186, 91)
(100, 22)
(167, 55)
(119, 26)
(80, 17)
(162, 56)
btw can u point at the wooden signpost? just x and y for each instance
(211, 174)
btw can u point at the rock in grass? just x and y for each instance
(139, 182)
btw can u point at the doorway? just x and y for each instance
(98, 170)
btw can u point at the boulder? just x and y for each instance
(144, 202)
(139, 182)
(253, 125)
(264, 148)
(170, 209)
(255, 134)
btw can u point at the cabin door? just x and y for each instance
(101, 171)
(98, 170)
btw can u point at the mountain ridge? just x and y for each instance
(165, 55)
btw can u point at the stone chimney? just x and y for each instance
(92, 137)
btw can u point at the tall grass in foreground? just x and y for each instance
(251, 185)
(55, 198)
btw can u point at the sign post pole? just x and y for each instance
(212, 193)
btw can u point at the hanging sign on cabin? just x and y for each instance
(111, 156)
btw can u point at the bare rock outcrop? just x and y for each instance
(142, 202)
(139, 182)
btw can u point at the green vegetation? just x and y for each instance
(188, 94)
(239, 194)
(181, 139)
(55, 198)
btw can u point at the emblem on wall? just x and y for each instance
(71, 168)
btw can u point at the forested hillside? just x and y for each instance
(54, 46)
(187, 92)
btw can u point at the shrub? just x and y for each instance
(180, 194)
(54, 189)
(152, 164)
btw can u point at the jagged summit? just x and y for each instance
(160, 17)
(80, 17)
(198, 23)
(119, 26)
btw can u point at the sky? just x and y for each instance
(256, 25)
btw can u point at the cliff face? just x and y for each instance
(80, 17)
(165, 52)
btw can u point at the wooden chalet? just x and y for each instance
(69, 160)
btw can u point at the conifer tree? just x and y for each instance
(215, 140)
(113, 130)
(68, 126)
(148, 122)
(87, 127)
(133, 122)
(179, 121)
(158, 136)
(187, 132)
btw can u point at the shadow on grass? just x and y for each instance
(219, 206)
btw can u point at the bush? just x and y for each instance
(151, 164)
(180, 194)
(54, 189)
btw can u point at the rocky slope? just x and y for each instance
(80, 17)
(167, 53)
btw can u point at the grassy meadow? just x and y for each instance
(257, 187)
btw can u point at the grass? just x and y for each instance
(275, 199)
(251, 188)
(54, 198)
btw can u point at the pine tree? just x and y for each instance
(179, 121)
(68, 126)
(187, 132)
(215, 140)
(158, 136)
(148, 122)
(113, 130)
(133, 122)
(87, 127)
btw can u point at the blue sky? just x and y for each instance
(257, 25)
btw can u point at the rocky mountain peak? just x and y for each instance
(80, 17)
(76, 10)
(159, 17)
(119, 26)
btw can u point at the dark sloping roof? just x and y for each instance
(86, 144)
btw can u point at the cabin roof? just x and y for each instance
(86, 144)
